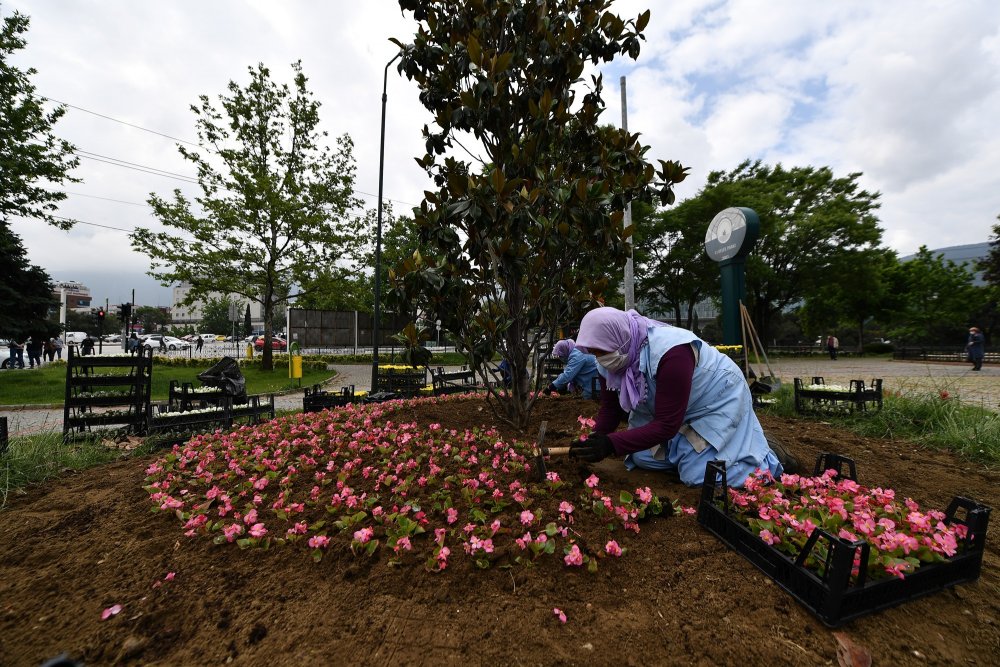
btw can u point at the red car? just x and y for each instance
(276, 343)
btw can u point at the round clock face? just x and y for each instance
(727, 235)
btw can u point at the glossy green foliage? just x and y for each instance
(517, 239)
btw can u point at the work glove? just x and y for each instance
(596, 447)
(551, 389)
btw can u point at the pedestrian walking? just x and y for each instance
(16, 354)
(87, 346)
(59, 346)
(49, 351)
(34, 347)
(832, 345)
(199, 344)
(976, 348)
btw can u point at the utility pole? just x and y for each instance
(629, 286)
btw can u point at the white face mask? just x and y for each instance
(613, 361)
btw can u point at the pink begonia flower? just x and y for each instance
(258, 530)
(645, 494)
(574, 557)
(452, 515)
(559, 614)
(403, 544)
(250, 518)
(688, 510)
(613, 549)
(231, 531)
(170, 576)
(113, 610)
(769, 537)
(527, 517)
(364, 535)
(319, 541)
(439, 535)
(552, 476)
(592, 481)
(566, 508)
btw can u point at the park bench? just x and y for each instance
(454, 382)
(317, 399)
(400, 381)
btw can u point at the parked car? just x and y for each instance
(74, 337)
(4, 357)
(112, 338)
(153, 343)
(276, 343)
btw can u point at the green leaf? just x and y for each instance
(475, 50)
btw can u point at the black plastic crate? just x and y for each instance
(832, 596)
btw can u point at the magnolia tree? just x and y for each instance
(517, 236)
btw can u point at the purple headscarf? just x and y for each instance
(613, 330)
(563, 348)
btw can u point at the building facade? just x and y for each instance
(77, 295)
(181, 314)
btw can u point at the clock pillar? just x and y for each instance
(730, 238)
(734, 289)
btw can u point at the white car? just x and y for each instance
(153, 343)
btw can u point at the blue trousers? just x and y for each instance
(690, 464)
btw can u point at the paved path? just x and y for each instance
(908, 377)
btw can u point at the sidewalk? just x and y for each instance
(908, 377)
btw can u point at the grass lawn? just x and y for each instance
(48, 384)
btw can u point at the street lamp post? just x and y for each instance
(378, 232)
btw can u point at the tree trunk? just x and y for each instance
(267, 358)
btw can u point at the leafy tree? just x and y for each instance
(345, 290)
(937, 299)
(32, 159)
(25, 292)
(861, 291)
(275, 203)
(673, 274)
(215, 315)
(809, 220)
(150, 318)
(989, 296)
(990, 265)
(505, 238)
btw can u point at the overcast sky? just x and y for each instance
(905, 91)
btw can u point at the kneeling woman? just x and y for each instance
(580, 369)
(686, 402)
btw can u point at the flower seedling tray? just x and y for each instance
(833, 596)
(857, 396)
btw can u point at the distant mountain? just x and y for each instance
(962, 254)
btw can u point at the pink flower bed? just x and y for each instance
(902, 537)
(353, 480)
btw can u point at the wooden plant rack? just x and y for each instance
(127, 380)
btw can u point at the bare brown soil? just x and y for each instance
(77, 545)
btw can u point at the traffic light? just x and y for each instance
(126, 311)
(100, 315)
